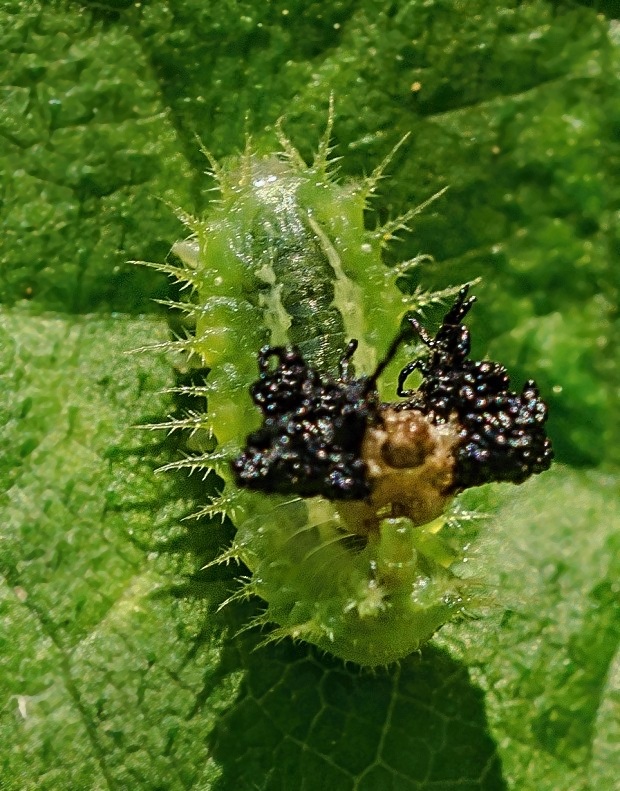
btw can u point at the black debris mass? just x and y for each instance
(502, 432)
(313, 427)
(314, 424)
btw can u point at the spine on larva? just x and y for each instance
(284, 264)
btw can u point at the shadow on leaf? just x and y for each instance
(302, 720)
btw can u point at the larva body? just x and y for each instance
(283, 261)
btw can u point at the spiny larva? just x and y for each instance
(338, 494)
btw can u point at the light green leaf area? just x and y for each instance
(117, 669)
(547, 654)
(97, 650)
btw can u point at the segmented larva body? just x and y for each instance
(338, 498)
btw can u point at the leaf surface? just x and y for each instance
(117, 670)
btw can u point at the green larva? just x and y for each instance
(283, 263)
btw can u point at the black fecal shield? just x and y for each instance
(310, 440)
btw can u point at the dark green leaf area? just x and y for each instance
(298, 715)
(84, 163)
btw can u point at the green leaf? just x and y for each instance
(547, 657)
(117, 670)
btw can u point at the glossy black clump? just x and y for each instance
(310, 442)
(314, 424)
(502, 432)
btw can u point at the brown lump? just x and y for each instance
(409, 466)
